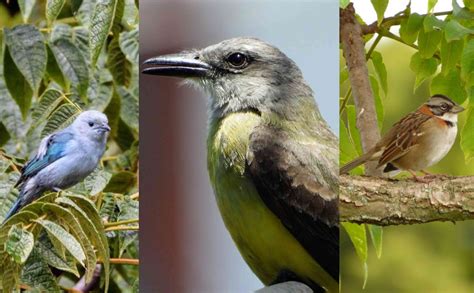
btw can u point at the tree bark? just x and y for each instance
(385, 202)
(353, 47)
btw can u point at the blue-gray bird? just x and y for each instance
(64, 158)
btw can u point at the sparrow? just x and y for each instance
(419, 140)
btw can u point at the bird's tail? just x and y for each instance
(359, 161)
(13, 210)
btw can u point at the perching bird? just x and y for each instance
(419, 140)
(64, 158)
(272, 159)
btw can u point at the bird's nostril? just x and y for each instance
(196, 58)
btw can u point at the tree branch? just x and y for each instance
(385, 202)
(353, 47)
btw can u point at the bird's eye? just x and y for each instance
(444, 107)
(238, 60)
(91, 124)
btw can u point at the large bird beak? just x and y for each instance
(457, 109)
(104, 127)
(180, 65)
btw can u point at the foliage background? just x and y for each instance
(58, 58)
(435, 257)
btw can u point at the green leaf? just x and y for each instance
(103, 97)
(347, 150)
(455, 31)
(428, 42)
(129, 110)
(37, 274)
(53, 8)
(343, 3)
(26, 7)
(89, 208)
(450, 54)
(380, 6)
(68, 219)
(19, 244)
(75, 5)
(409, 28)
(380, 69)
(101, 23)
(423, 68)
(467, 63)
(449, 85)
(97, 181)
(467, 133)
(4, 136)
(48, 102)
(67, 240)
(17, 85)
(376, 233)
(431, 23)
(357, 234)
(431, 5)
(378, 100)
(60, 119)
(121, 182)
(119, 66)
(53, 70)
(28, 51)
(60, 31)
(48, 252)
(10, 276)
(72, 64)
(129, 45)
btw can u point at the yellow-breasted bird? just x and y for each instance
(272, 159)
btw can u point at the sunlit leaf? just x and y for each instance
(53, 8)
(47, 251)
(97, 181)
(423, 68)
(26, 7)
(380, 6)
(431, 5)
(467, 63)
(455, 31)
(450, 54)
(467, 134)
(19, 244)
(376, 233)
(48, 101)
(449, 85)
(129, 45)
(357, 234)
(431, 23)
(428, 42)
(60, 119)
(67, 240)
(409, 28)
(101, 23)
(380, 69)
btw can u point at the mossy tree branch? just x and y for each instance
(386, 202)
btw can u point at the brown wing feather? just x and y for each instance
(304, 202)
(403, 135)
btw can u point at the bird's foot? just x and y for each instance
(57, 189)
(423, 179)
(428, 175)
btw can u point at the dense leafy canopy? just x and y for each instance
(59, 58)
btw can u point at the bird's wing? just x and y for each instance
(50, 149)
(403, 135)
(297, 183)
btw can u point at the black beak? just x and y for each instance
(180, 65)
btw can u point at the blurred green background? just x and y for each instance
(435, 257)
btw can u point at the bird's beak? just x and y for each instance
(104, 127)
(457, 109)
(180, 65)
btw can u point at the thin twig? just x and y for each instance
(118, 223)
(122, 228)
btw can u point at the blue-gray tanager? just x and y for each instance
(64, 158)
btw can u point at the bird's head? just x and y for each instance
(240, 74)
(443, 107)
(92, 124)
